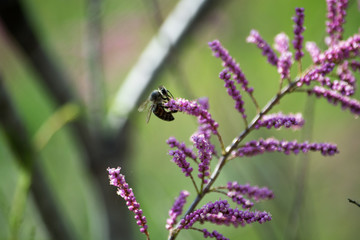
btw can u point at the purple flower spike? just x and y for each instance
(345, 74)
(278, 120)
(314, 51)
(229, 62)
(251, 191)
(181, 146)
(355, 65)
(233, 92)
(336, 18)
(193, 108)
(240, 200)
(342, 50)
(220, 213)
(214, 234)
(176, 209)
(205, 155)
(118, 180)
(285, 60)
(331, 24)
(298, 30)
(253, 148)
(282, 43)
(255, 37)
(179, 158)
(335, 98)
(284, 64)
(316, 74)
(204, 102)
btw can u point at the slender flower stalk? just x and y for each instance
(118, 180)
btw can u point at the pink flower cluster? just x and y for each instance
(230, 63)
(254, 147)
(193, 108)
(255, 38)
(334, 97)
(205, 155)
(220, 213)
(176, 209)
(238, 191)
(336, 18)
(298, 30)
(118, 180)
(179, 158)
(233, 92)
(278, 120)
(213, 234)
(173, 142)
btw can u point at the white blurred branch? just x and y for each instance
(151, 60)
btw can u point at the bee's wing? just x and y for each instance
(149, 113)
(143, 106)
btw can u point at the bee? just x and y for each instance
(155, 104)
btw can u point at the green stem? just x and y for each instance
(19, 202)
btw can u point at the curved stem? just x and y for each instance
(193, 181)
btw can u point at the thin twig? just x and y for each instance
(354, 202)
(194, 183)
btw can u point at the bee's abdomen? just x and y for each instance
(160, 112)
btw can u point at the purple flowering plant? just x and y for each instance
(330, 76)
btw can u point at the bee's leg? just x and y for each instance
(172, 111)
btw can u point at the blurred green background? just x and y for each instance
(128, 26)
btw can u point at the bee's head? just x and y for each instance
(155, 96)
(165, 93)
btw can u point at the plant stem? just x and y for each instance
(222, 160)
